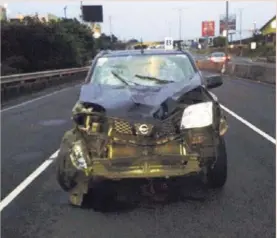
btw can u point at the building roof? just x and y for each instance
(267, 23)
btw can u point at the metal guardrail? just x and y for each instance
(19, 84)
(260, 73)
(21, 78)
(268, 59)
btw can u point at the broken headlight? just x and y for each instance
(78, 157)
(197, 116)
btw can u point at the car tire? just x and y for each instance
(66, 173)
(217, 175)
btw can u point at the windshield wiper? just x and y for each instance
(123, 80)
(154, 79)
(120, 78)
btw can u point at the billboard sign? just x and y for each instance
(208, 28)
(231, 23)
(92, 13)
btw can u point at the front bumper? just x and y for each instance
(145, 167)
(171, 159)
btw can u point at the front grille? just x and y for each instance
(165, 128)
(123, 127)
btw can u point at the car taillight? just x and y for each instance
(212, 59)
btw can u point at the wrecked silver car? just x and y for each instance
(143, 115)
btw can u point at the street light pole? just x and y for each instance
(64, 9)
(111, 33)
(180, 21)
(81, 8)
(240, 30)
(180, 24)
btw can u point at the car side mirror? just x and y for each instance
(214, 81)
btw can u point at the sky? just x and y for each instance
(154, 20)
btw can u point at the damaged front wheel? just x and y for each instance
(69, 177)
(66, 172)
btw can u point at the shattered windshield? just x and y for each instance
(147, 70)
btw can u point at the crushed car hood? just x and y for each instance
(136, 102)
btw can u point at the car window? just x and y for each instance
(218, 54)
(135, 69)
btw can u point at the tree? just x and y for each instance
(32, 45)
(36, 45)
(219, 41)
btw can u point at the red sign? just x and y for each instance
(208, 28)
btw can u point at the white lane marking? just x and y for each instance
(251, 126)
(36, 99)
(8, 199)
(54, 155)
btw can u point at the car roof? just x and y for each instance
(117, 53)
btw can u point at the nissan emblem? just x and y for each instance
(144, 129)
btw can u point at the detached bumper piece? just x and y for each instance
(145, 167)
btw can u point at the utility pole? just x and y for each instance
(81, 16)
(226, 27)
(64, 9)
(231, 36)
(227, 34)
(111, 32)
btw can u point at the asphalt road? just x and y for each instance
(245, 208)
